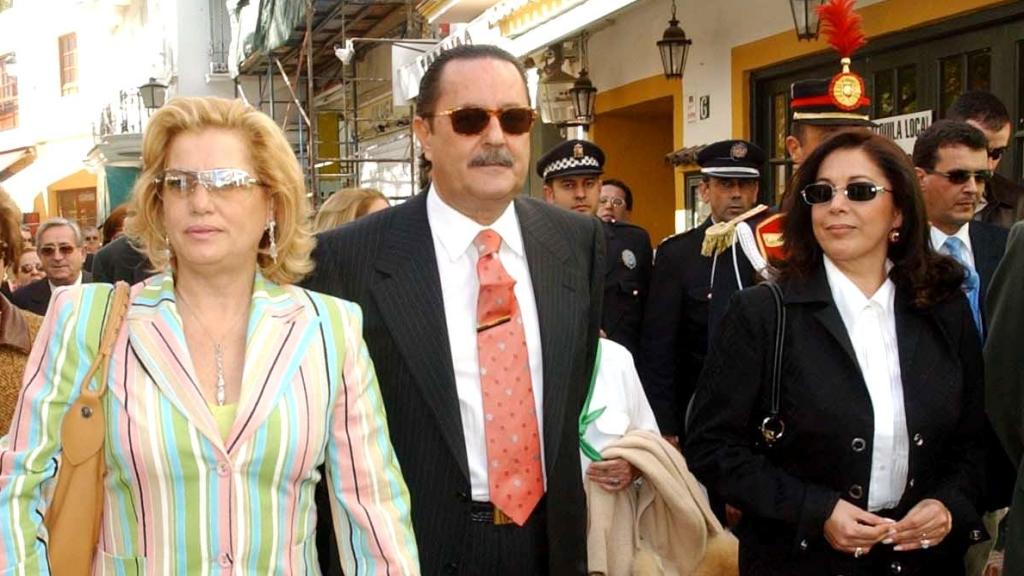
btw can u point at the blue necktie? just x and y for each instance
(972, 282)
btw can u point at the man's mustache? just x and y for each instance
(493, 157)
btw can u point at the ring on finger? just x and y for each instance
(858, 552)
(925, 543)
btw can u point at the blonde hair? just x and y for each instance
(10, 228)
(344, 206)
(273, 160)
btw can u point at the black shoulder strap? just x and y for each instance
(772, 427)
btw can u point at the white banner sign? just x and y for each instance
(905, 128)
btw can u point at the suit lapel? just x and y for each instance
(985, 258)
(279, 330)
(815, 289)
(407, 292)
(158, 341)
(547, 255)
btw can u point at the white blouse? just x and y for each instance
(871, 325)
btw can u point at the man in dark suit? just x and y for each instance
(571, 172)
(1004, 381)
(1003, 200)
(119, 260)
(60, 247)
(439, 278)
(676, 322)
(952, 165)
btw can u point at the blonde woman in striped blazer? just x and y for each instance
(229, 386)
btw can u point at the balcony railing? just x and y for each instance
(127, 115)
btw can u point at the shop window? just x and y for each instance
(780, 129)
(906, 79)
(885, 93)
(68, 48)
(979, 71)
(8, 94)
(78, 205)
(951, 81)
(963, 72)
(895, 91)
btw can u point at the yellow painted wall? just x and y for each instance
(878, 19)
(80, 179)
(637, 125)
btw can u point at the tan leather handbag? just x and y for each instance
(73, 518)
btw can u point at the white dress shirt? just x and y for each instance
(871, 325)
(77, 282)
(453, 234)
(617, 389)
(938, 238)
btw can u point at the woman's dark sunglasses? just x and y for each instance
(821, 193)
(472, 120)
(960, 176)
(28, 268)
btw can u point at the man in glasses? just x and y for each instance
(1003, 199)
(60, 247)
(481, 312)
(615, 204)
(952, 164)
(571, 172)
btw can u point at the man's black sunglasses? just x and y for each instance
(472, 120)
(961, 176)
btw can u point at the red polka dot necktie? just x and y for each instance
(510, 420)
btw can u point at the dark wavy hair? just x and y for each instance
(926, 275)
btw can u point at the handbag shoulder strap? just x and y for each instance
(115, 319)
(772, 427)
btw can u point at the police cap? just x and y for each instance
(571, 158)
(731, 159)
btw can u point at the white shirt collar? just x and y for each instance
(848, 297)
(456, 231)
(939, 237)
(77, 282)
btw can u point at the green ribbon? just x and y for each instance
(587, 417)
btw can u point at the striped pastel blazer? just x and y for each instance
(179, 498)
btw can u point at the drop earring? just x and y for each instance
(272, 232)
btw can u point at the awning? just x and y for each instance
(14, 160)
(684, 156)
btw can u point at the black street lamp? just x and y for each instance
(582, 94)
(674, 47)
(805, 18)
(153, 94)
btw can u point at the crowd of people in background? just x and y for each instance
(477, 382)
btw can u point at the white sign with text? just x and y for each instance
(905, 128)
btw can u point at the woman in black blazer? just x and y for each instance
(877, 470)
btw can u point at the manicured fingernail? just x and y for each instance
(887, 541)
(898, 548)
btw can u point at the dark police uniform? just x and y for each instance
(629, 252)
(629, 260)
(676, 316)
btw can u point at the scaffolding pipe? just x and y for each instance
(310, 101)
(295, 98)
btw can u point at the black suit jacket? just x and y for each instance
(988, 242)
(386, 263)
(1004, 380)
(786, 494)
(119, 260)
(627, 276)
(35, 297)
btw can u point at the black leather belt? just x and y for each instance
(487, 513)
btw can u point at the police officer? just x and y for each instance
(676, 323)
(571, 172)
